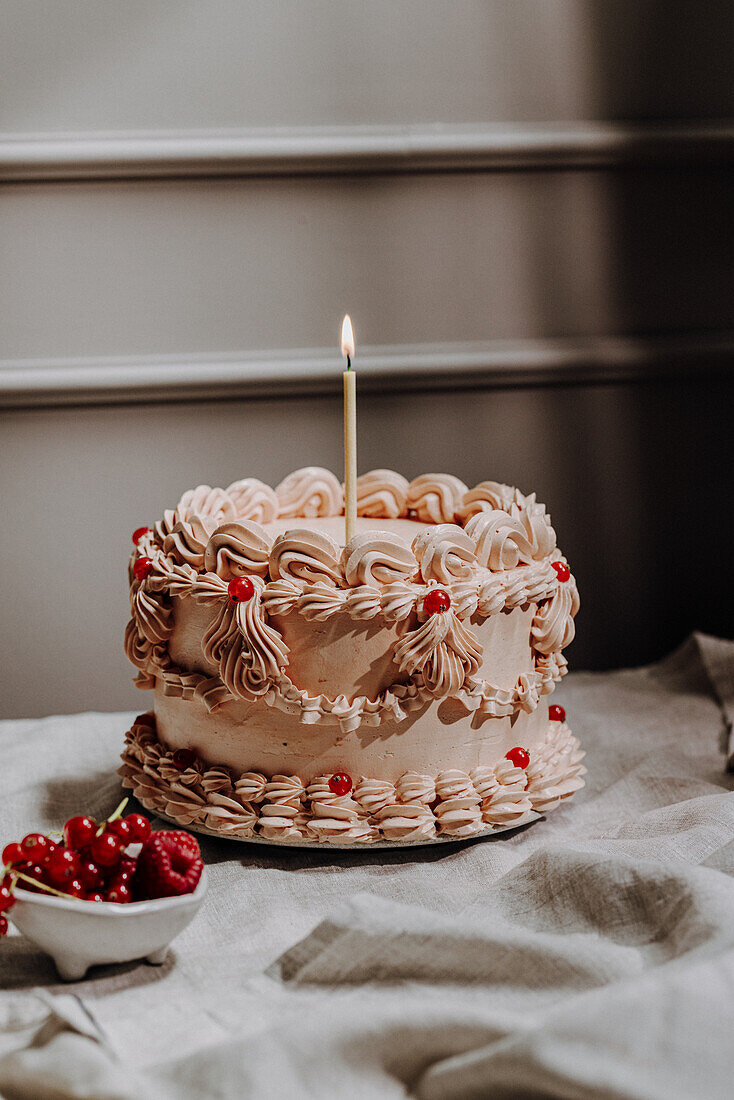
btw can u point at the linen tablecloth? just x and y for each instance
(589, 954)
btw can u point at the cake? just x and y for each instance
(390, 690)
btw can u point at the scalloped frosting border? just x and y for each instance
(192, 552)
(291, 809)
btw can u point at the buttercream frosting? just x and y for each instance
(289, 808)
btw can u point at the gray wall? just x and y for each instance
(525, 206)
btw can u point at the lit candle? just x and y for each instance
(350, 431)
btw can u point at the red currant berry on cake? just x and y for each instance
(562, 570)
(139, 532)
(139, 828)
(75, 889)
(556, 713)
(12, 853)
(7, 901)
(437, 599)
(340, 783)
(183, 759)
(94, 896)
(518, 756)
(3, 926)
(63, 865)
(79, 831)
(241, 589)
(107, 850)
(142, 568)
(35, 846)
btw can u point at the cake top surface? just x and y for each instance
(491, 525)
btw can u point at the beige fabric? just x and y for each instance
(590, 955)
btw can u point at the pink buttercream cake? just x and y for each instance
(388, 690)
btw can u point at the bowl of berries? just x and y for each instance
(106, 892)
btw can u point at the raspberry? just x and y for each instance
(169, 864)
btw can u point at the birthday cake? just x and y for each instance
(392, 689)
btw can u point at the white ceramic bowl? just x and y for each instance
(80, 934)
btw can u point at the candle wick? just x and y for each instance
(349, 363)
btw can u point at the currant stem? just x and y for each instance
(40, 885)
(113, 816)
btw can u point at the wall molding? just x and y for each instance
(598, 359)
(358, 149)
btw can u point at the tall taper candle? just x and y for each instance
(350, 432)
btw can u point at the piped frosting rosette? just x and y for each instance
(443, 650)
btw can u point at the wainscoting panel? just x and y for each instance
(205, 268)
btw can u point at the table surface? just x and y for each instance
(589, 954)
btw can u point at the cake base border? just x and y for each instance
(360, 846)
(178, 786)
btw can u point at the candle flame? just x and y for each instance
(347, 338)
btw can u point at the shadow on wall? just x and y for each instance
(650, 467)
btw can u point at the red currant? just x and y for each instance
(142, 567)
(35, 871)
(79, 831)
(75, 889)
(122, 874)
(120, 828)
(120, 893)
(107, 850)
(139, 532)
(7, 901)
(139, 828)
(241, 589)
(518, 756)
(183, 759)
(96, 896)
(12, 853)
(3, 926)
(89, 874)
(556, 713)
(34, 846)
(340, 783)
(437, 599)
(63, 865)
(45, 860)
(562, 570)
